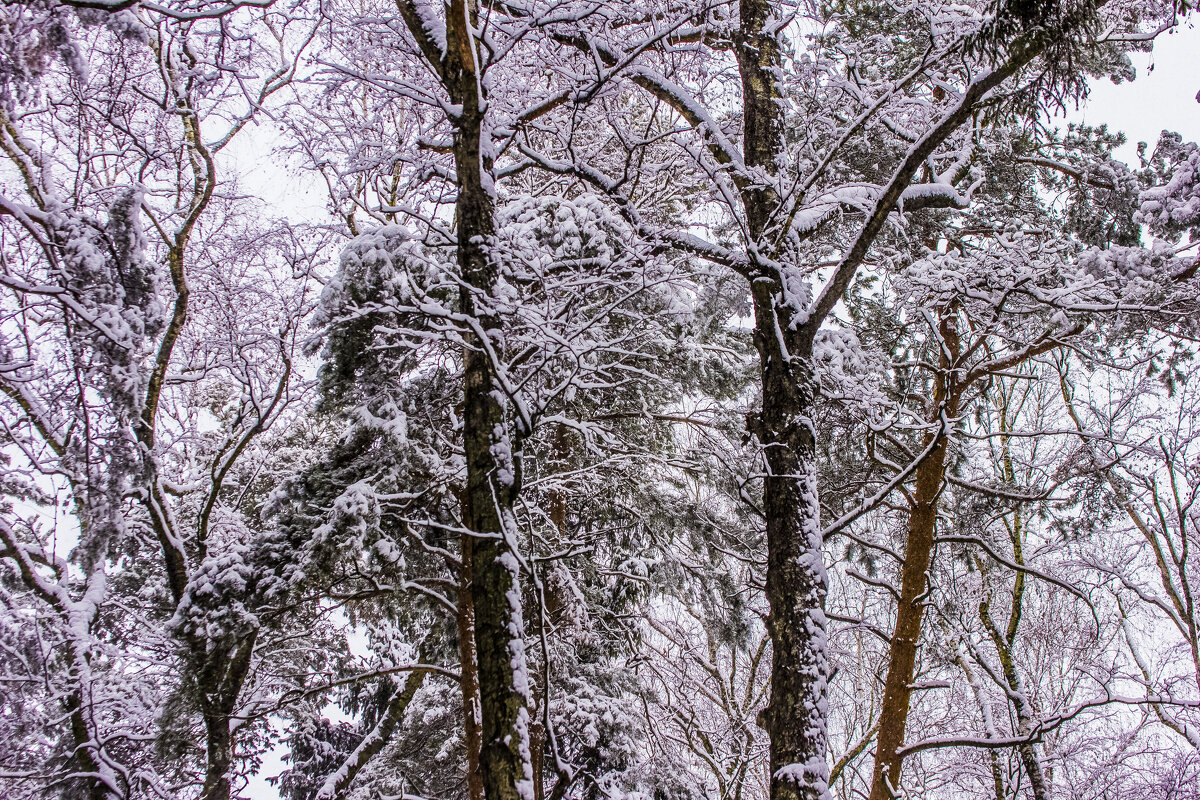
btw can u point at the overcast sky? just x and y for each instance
(1164, 96)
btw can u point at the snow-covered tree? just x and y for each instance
(753, 400)
(148, 344)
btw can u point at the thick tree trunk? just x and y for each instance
(914, 580)
(490, 444)
(503, 685)
(757, 49)
(218, 746)
(220, 685)
(492, 449)
(796, 584)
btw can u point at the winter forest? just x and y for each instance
(668, 400)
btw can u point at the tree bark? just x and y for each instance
(220, 684)
(796, 583)
(469, 674)
(491, 447)
(914, 581)
(218, 741)
(490, 444)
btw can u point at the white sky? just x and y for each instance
(1164, 95)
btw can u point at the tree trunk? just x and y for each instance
(914, 581)
(796, 584)
(493, 460)
(220, 685)
(490, 444)
(469, 674)
(218, 747)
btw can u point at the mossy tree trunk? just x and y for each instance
(490, 442)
